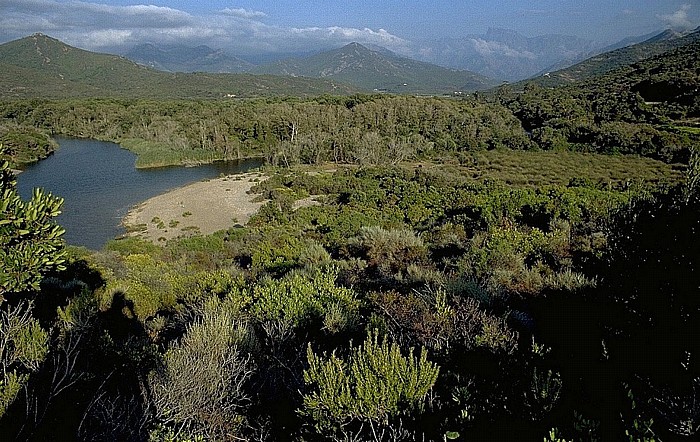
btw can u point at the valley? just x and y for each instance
(349, 244)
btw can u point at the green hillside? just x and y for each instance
(661, 89)
(380, 71)
(41, 66)
(609, 61)
(649, 108)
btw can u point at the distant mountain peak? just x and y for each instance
(355, 47)
(180, 58)
(505, 54)
(379, 70)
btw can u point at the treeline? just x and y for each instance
(586, 121)
(363, 130)
(410, 304)
(24, 145)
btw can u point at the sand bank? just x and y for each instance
(199, 208)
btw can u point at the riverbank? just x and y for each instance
(199, 208)
(152, 154)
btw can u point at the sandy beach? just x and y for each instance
(199, 208)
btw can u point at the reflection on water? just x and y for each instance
(99, 183)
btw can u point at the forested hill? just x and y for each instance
(668, 83)
(649, 108)
(609, 61)
(41, 66)
(380, 70)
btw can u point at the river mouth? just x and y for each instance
(99, 183)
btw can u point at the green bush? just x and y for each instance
(297, 299)
(388, 252)
(200, 387)
(30, 242)
(375, 383)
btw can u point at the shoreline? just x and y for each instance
(202, 208)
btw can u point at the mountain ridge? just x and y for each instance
(179, 58)
(608, 61)
(39, 66)
(379, 71)
(504, 54)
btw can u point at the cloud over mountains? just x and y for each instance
(268, 32)
(98, 26)
(678, 19)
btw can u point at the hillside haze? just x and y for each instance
(505, 54)
(186, 59)
(41, 66)
(618, 58)
(379, 70)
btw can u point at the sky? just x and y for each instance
(284, 26)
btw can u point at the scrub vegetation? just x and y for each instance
(521, 265)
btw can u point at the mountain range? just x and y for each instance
(379, 70)
(41, 66)
(501, 54)
(178, 58)
(371, 69)
(505, 54)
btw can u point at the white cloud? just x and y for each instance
(243, 13)
(485, 47)
(678, 19)
(97, 26)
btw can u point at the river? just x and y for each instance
(99, 184)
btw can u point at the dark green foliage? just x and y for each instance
(30, 242)
(375, 130)
(556, 290)
(24, 145)
(540, 304)
(376, 384)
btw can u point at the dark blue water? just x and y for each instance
(99, 184)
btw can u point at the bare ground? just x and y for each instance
(200, 208)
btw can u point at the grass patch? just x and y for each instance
(527, 168)
(190, 229)
(154, 154)
(136, 228)
(688, 129)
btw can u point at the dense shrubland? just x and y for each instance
(412, 303)
(23, 144)
(480, 291)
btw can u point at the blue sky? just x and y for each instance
(248, 26)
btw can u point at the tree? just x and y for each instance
(30, 243)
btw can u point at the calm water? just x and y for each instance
(99, 184)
